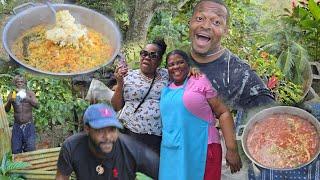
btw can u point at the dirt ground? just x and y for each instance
(52, 138)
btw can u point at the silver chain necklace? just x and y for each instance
(213, 54)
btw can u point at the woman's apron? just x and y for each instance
(184, 139)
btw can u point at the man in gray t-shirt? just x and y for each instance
(235, 82)
(237, 85)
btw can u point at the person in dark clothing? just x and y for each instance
(236, 83)
(23, 101)
(102, 152)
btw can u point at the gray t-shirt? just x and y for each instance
(236, 83)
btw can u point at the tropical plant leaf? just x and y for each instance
(8, 165)
(273, 47)
(16, 165)
(301, 61)
(302, 13)
(16, 177)
(303, 57)
(308, 23)
(314, 9)
(288, 63)
(4, 163)
(280, 61)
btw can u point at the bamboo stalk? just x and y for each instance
(49, 168)
(46, 160)
(39, 176)
(22, 171)
(41, 151)
(42, 165)
(35, 157)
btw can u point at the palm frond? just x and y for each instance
(301, 61)
(4, 163)
(16, 165)
(288, 63)
(280, 60)
(8, 165)
(272, 48)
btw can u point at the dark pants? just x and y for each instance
(152, 141)
(23, 138)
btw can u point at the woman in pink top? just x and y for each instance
(200, 103)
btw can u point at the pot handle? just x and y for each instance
(23, 7)
(239, 132)
(256, 171)
(313, 93)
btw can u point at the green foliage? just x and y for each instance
(289, 93)
(307, 18)
(243, 23)
(6, 6)
(173, 29)
(314, 9)
(173, 26)
(285, 91)
(141, 176)
(54, 96)
(294, 40)
(8, 165)
(101, 6)
(56, 101)
(131, 52)
(266, 65)
(114, 8)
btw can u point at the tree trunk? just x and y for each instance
(140, 19)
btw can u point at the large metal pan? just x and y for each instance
(279, 110)
(41, 14)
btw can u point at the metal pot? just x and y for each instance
(262, 115)
(41, 14)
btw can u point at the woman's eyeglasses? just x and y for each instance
(152, 55)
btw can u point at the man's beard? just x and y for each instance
(96, 147)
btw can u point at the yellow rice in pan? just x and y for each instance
(35, 50)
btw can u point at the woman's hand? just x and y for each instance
(194, 72)
(117, 98)
(120, 73)
(233, 160)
